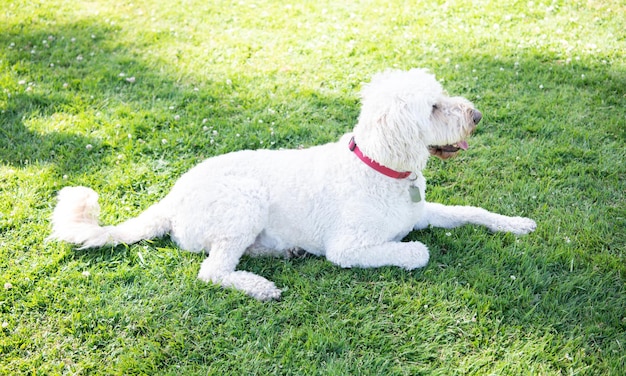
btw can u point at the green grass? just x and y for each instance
(124, 97)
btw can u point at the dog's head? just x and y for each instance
(407, 116)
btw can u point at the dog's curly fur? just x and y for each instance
(323, 199)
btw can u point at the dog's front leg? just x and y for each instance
(409, 255)
(439, 215)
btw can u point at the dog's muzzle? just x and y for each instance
(448, 151)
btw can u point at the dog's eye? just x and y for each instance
(435, 107)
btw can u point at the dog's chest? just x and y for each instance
(409, 205)
(405, 210)
(391, 210)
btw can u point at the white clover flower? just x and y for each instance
(8, 286)
(89, 146)
(86, 273)
(176, 117)
(131, 79)
(164, 141)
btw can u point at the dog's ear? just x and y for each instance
(391, 132)
(408, 116)
(395, 118)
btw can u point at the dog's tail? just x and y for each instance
(75, 220)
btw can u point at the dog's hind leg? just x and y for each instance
(234, 218)
(219, 268)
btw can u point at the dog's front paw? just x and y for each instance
(515, 225)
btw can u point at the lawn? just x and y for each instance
(125, 96)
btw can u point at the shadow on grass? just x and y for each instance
(75, 80)
(36, 90)
(20, 146)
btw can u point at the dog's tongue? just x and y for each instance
(462, 144)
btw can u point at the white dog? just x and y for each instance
(351, 201)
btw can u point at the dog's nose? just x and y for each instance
(476, 116)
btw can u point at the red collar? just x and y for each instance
(375, 165)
